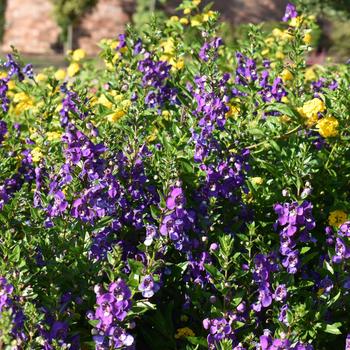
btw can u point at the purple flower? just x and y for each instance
(344, 229)
(347, 342)
(148, 287)
(326, 285)
(176, 199)
(219, 329)
(112, 309)
(151, 233)
(3, 130)
(291, 262)
(209, 49)
(280, 293)
(28, 71)
(341, 251)
(291, 12)
(283, 314)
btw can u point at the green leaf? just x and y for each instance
(282, 108)
(93, 323)
(304, 250)
(197, 341)
(329, 267)
(333, 328)
(16, 253)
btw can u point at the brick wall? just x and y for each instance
(30, 26)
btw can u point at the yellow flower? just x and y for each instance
(11, 85)
(153, 135)
(284, 118)
(328, 126)
(233, 111)
(126, 105)
(166, 115)
(286, 35)
(196, 21)
(280, 55)
(41, 77)
(184, 333)
(23, 102)
(286, 75)
(60, 74)
(337, 217)
(285, 99)
(53, 135)
(310, 74)
(104, 101)
(257, 180)
(73, 69)
(114, 117)
(36, 154)
(314, 106)
(277, 33)
(184, 21)
(196, 2)
(113, 44)
(168, 46)
(269, 41)
(208, 15)
(265, 52)
(3, 75)
(187, 11)
(174, 19)
(78, 55)
(296, 21)
(179, 64)
(307, 38)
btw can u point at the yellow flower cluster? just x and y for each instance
(307, 39)
(184, 333)
(257, 180)
(75, 56)
(53, 135)
(337, 217)
(122, 105)
(195, 20)
(310, 74)
(73, 69)
(286, 75)
(328, 126)
(311, 109)
(233, 111)
(23, 102)
(60, 74)
(36, 154)
(168, 55)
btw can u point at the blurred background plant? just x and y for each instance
(67, 13)
(331, 38)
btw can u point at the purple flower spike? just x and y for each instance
(291, 12)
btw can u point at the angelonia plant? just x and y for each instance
(182, 194)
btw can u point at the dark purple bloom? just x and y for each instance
(341, 251)
(280, 293)
(291, 262)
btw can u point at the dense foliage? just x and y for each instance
(184, 196)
